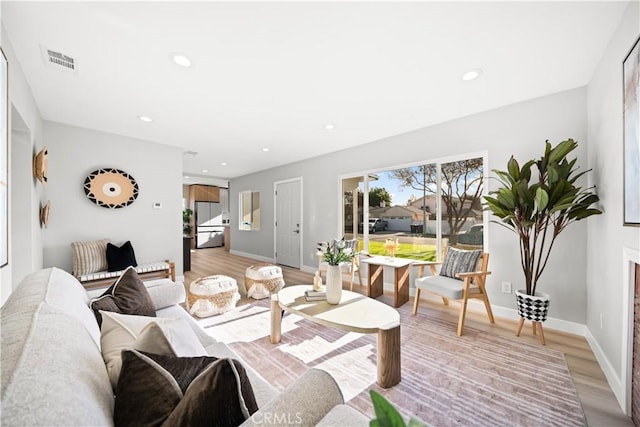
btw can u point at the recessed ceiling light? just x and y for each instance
(186, 177)
(224, 163)
(204, 171)
(472, 74)
(180, 59)
(265, 149)
(329, 126)
(145, 119)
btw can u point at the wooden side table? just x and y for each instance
(401, 279)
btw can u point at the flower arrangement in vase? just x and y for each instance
(391, 247)
(334, 253)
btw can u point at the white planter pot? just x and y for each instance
(533, 307)
(334, 284)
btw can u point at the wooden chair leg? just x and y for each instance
(415, 302)
(463, 312)
(351, 282)
(520, 325)
(487, 305)
(533, 327)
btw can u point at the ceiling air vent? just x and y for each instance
(59, 61)
(190, 153)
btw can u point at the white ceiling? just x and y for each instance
(271, 74)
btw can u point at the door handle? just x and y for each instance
(296, 231)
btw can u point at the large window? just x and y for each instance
(425, 208)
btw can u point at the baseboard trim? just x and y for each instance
(613, 379)
(311, 270)
(252, 256)
(561, 325)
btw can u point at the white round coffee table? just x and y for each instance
(355, 313)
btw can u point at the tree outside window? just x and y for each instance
(407, 200)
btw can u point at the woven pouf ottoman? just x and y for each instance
(261, 280)
(212, 295)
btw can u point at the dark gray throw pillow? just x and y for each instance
(157, 390)
(459, 261)
(127, 296)
(119, 258)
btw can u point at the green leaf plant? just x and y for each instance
(186, 222)
(539, 206)
(388, 416)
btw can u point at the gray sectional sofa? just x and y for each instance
(53, 373)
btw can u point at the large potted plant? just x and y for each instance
(537, 201)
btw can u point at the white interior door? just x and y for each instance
(288, 227)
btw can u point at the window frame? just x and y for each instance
(438, 161)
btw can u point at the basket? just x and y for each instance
(261, 280)
(212, 295)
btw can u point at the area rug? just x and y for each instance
(478, 379)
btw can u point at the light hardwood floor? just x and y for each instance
(600, 405)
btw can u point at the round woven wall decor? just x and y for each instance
(44, 214)
(111, 188)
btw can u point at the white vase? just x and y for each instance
(334, 284)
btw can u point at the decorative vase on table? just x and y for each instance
(391, 247)
(334, 284)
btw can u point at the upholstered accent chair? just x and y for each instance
(462, 276)
(348, 270)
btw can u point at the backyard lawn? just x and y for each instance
(421, 252)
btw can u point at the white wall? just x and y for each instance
(156, 234)
(74, 152)
(606, 235)
(28, 123)
(23, 201)
(519, 129)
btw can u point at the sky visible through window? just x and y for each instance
(399, 195)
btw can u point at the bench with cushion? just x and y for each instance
(91, 268)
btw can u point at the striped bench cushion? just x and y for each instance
(143, 268)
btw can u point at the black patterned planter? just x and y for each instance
(533, 307)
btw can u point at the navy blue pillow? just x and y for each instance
(119, 258)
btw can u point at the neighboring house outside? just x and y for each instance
(401, 218)
(430, 205)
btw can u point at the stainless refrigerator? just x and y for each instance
(209, 226)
